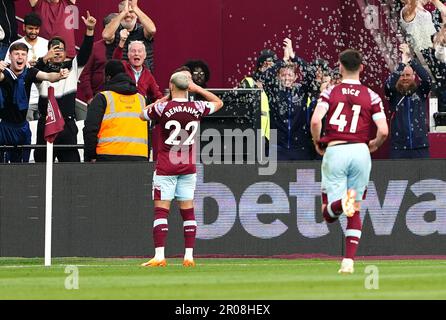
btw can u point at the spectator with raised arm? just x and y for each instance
(135, 67)
(129, 14)
(417, 23)
(92, 78)
(15, 86)
(289, 112)
(408, 101)
(56, 17)
(38, 47)
(65, 92)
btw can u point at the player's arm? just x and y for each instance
(381, 134)
(409, 10)
(379, 117)
(316, 123)
(209, 96)
(149, 112)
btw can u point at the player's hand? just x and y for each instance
(90, 21)
(372, 146)
(64, 73)
(3, 66)
(319, 148)
(193, 87)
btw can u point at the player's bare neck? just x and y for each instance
(179, 95)
(349, 76)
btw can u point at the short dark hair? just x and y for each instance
(32, 19)
(109, 18)
(55, 41)
(18, 46)
(351, 60)
(193, 64)
(264, 55)
(113, 67)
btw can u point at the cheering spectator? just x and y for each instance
(92, 78)
(38, 47)
(417, 22)
(408, 101)
(129, 13)
(8, 26)
(136, 69)
(15, 86)
(65, 92)
(55, 14)
(289, 113)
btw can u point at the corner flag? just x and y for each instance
(54, 124)
(54, 121)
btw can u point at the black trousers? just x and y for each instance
(67, 137)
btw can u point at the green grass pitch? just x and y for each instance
(222, 279)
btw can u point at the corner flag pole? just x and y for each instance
(48, 202)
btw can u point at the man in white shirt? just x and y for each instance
(38, 47)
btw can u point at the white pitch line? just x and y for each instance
(170, 264)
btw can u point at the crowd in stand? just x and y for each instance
(290, 85)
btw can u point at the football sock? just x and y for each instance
(332, 211)
(352, 235)
(190, 231)
(189, 254)
(160, 230)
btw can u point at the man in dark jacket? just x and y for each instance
(289, 113)
(113, 130)
(408, 102)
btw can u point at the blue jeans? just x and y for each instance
(13, 134)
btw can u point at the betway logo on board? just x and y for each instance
(305, 192)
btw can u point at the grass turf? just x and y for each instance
(226, 279)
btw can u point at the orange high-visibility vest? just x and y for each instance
(122, 132)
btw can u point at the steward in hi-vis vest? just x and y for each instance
(249, 83)
(113, 130)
